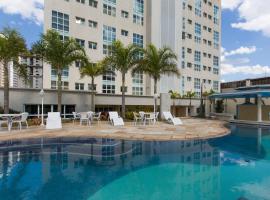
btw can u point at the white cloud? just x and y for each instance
(240, 51)
(230, 4)
(227, 69)
(28, 9)
(240, 65)
(253, 14)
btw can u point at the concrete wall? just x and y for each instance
(82, 100)
(249, 112)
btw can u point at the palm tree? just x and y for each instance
(92, 70)
(60, 54)
(190, 95)
(12, 45)
(157, 62)
(174, 95)
(122, 59)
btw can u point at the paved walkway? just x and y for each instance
(192, 129)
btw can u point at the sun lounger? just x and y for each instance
(115, 119)
(172, 120)
(54, 121)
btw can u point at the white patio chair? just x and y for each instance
(54, 121)
(85, 117)
(150, 118)
(142, 114)
(171, 119)
(96, 116)
(156, 116)
(137, 118)
(115, 119)
(20, 120)
(76, 116)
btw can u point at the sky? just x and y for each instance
(245, 33)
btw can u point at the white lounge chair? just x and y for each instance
(20, 120)
(171, 119)
(54, 121)
(115, 119)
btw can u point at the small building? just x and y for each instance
(249, 103)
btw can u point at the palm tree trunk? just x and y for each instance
(155, 92)
(123, 95)
(93, 95)
(59, 90)
(6, 88)
(189, 106)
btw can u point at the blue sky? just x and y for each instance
(245, 33)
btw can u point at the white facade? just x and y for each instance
(96, 23)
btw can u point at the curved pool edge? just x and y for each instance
(191, 129)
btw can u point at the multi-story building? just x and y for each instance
(34, 68)
(190, 27)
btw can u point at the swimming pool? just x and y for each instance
(233, 167)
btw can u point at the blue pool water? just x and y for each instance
(235, 167)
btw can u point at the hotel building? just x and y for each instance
(191, 28)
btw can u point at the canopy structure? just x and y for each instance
(258, 92)
(244, 92)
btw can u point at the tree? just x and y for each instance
(174, 95)
(92, 70)
(190, 95)
(122, 59)
(60, 53)
(12, 45)
(157, 62)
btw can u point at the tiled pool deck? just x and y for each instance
(191, 129)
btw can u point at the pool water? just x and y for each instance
(235, 167)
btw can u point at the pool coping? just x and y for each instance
(202, 129)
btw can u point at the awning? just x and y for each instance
(241, 94)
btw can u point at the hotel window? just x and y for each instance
(60, 22)
(80, 20)
(215, 71)
(216, 39)
(92, 24)
(190, 7)
(138, 12)
(124, 14)
(138, 40)
(197, 67)
(183, 53)
(189, 21)
(93, 3)
(189, 50)
(124, 32)
(92, 45)
(64, 85)
(198, 8)
(109, 35)
(198, 33)
(183, 23)
(197, 86)
(216, 61)
(189, 79)
(80, 42)
(216, 14)
(183, 84)
(216, 86)
(108, 83)
(197, 56)
(109, 7)
(79, 86)
(65, 74)
(81, 1)
(137, 84)
(189, 65)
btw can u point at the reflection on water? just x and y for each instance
(82, 168)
